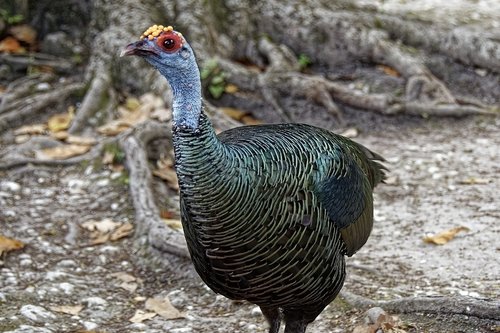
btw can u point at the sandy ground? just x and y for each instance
(444, 174)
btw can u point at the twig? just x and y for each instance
(480, 308)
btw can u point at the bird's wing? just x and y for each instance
(346, 192)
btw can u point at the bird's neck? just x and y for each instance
(186, 109)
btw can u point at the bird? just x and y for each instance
(269, 211)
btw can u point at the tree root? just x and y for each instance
(93, 101)
(24, 108)
(480, 308)
(428, 97)
(22, 62)
(147, 215)
(19, 162)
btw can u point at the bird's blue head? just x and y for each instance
(168, 51)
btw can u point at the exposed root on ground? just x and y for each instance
(99, 96)
(480, 308)
(19, 106)
(147, 215)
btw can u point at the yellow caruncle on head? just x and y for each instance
(155, 30)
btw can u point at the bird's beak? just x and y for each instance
(140, 48)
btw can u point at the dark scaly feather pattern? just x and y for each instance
(257, 209)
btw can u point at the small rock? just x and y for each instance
(10, 186)
(54, 275)
(43, 86)
(36, 313)
(372, 315)
(256, 312)
(67, 288)
(102, 182)
(9, 213)
(139, 327)
(251, 327)
(89, 325)
(67, 263)
(181, 330)
(94, 301)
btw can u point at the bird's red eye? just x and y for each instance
(170, 41)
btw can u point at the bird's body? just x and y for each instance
(269, 211)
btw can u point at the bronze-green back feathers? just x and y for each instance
(270, 211)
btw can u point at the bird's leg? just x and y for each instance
(273, 316)
(296, 321)
(294, 325)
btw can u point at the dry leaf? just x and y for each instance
(24, 33)
(231, 88)
(234, 113)
(68, 309)
(108, 157)
(11, 45)
(173, 223)
(250, 120)
(164, 308)
(132, 103)
(129, 286)
(125, 277)
(474, 181)
(166, 172)
(113, 128)
(60, 122)
(141, 316)
(62, 152)
(106, 229)
(445, 236)
(9, 244)
(389, 70)
(166, 214)
(61, 135)
(161, 114)
(122, 231)
(80, 140)
(31, 129)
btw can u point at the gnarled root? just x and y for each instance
(480, 308)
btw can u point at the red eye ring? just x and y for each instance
(169, 41)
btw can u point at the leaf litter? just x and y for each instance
(107, 230)
(445, 236)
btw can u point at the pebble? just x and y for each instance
(181, 330)
(102, 182)
(139, 327)
(67, 288)
(9, 213)
(67, 263)
(256, 312)
(10, 186)
(54, 275)
(373, 314)
(93, 301)
(36, 313)
(89, 325)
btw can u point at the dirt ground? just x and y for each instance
(444, 174)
